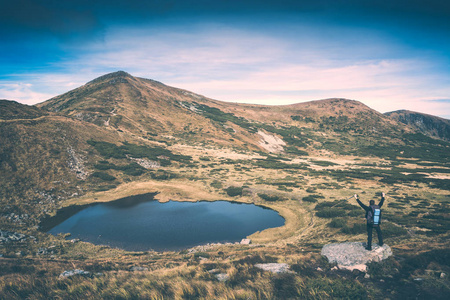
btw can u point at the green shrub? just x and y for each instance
(312, 198)
(333, 288)
(323, 163)
(216, 184)
(391, 230)
(107, 150)
(132, 169)
(234, 191)
(337, 223)
(162, 175)
(103, 176)
(271, 198)
(357, 228)
(331, 212)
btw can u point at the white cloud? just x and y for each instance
(243, 66)
(22, 92)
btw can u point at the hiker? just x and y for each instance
(373, 220)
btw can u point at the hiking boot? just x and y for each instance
(368, 248)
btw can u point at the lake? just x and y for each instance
(139, 223)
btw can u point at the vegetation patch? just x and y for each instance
(132, 169)
(234, 191)
(338, 223)
(164, 156)
(337, 208)
(103, 176)
(271, 198)
(323, 163)
(312, 198)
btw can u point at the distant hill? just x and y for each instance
(148, 108)
(427, 124)
(11, 110)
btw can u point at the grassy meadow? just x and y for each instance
(309, 192)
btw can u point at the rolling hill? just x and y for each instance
(120, 135)
(429, 125)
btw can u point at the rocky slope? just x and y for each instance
(429, 125)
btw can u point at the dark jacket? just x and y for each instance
(367, 208)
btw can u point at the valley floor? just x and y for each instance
(311, 193)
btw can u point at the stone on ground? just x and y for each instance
(354, 256)
(70, 273)
(274, 267)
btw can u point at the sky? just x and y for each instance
(389, 55)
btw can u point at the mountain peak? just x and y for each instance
(113, 75)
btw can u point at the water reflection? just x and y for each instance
(138, 223)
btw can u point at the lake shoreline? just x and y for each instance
(296, 217)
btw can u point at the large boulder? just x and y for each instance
(351, 256)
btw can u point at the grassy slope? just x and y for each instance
(355, 151)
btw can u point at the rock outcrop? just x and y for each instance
(70, 273)
(353, 256)
(274, 267)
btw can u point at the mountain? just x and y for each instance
(143, 107)
(429, 125)
(119, 101)
(118, 136)
(108, 131)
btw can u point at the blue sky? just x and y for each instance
(389, 55)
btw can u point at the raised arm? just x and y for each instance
(361, 204)
(383, 195)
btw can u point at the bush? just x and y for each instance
(103, 176)
(162, 175)
(357, 228)
(337, 223)
(234, 191)
(312, 198)
(391, 230)
(270, 197)
(331, 212)
(216, 184)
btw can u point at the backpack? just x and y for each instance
(374, 215)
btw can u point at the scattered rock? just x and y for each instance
(271, 143)
(70, 273)
(137, 269)
(367, 276)
(334, 268)
(359, 267)
(274, 267)
(443, 275)
(319, 269)
(76, 164)
(222, 277)
(7, 236)
(145, 163)
(245, 242)
(351, 256)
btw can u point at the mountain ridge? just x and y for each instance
(120, 136)
(433, 126)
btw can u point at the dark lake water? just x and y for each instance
(139, 223)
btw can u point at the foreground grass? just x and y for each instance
(192, 276)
